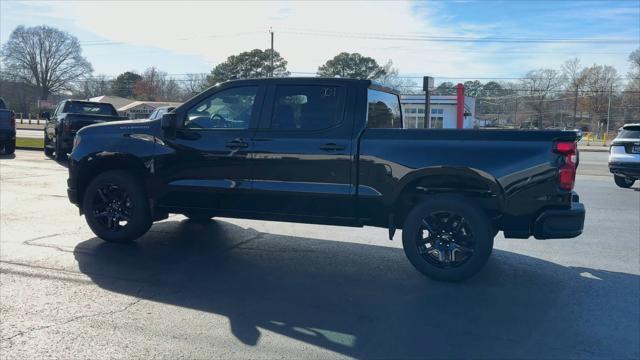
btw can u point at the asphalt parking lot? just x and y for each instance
(250, 289)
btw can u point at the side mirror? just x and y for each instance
(46, 115)
(169, 123)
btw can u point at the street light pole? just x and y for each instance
(608, 115)
(271, 57)
(427, 85)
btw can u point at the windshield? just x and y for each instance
(90, 109)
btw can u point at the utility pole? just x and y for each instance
(575, 106)
(608, 116)
(515, 115)
(427, 86)
(271, 57)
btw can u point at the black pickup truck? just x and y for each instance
(7, 129)
(328, 151)
(69, 117)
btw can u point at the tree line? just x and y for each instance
(40, 61)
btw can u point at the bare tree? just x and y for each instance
(631, 95)
(540, 87)
(93, 86)
(392, 79)
(599, 82)
(572, 72)
(46, 57)
(194, 83)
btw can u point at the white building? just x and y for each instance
(142, 109)
(444, 111)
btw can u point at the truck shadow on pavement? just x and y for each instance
(367, 301)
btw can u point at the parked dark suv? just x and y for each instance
(328, 151)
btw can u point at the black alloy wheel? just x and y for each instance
(444, 239)
(116, 206)
(112, 207)
(447, 237)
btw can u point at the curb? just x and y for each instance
(606, 150)
(29, 148)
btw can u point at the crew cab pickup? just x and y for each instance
(69, 117)
(7, 129)
(328, 151)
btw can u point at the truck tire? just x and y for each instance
(48, 151)
(447, 238)
(60, 155)
(10, 147)
(116, 207)
(623, 182)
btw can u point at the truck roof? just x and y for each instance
(311, 79)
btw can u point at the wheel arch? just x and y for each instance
(472, 184)
(95, 165)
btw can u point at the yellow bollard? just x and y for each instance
(604, 139)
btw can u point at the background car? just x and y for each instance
(624, 156)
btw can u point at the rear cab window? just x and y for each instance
(90, 109)
(383, 110)
(307, 107)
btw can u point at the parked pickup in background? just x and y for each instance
(328, 151)
(7, 129)
(69, 117)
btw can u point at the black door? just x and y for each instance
(303, 152)
(208, 164)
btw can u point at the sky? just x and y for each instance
(450, 40)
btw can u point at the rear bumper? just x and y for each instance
(560, 223)
(625, 169)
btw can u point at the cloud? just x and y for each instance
(307, 34)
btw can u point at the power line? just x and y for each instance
(488, 39)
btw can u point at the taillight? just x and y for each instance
(13, 120)
(67, 126)
(567, 172)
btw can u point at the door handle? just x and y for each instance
(237, 144)
(332, 147)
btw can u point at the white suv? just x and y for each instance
(624, 156)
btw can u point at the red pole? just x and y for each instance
(460, 106)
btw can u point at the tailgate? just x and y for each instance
(5, 120)
(77, 122)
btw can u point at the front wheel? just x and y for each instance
(623, 182)
(447, 238)
(116, 207)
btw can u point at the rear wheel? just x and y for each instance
(623, 182)
(447, 238)
(60, 155)
(10, 147)
(48, 151)
(116, 207)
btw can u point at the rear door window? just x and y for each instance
(383, 110)
(307, 107)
